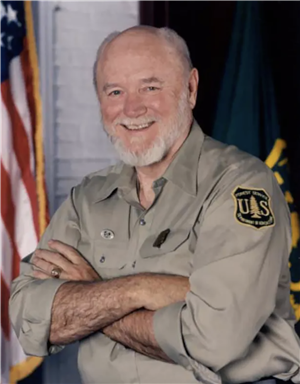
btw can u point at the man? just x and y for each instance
(172, 266)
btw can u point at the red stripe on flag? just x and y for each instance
(5, 324)
(22, 151)
(8, 217)
(28, 81)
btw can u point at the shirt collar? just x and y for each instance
(182, 171)
(121, 177)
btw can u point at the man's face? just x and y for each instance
(144, 98)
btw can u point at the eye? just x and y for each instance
(116, 92)
(152, 88)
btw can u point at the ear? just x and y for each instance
(193, 87)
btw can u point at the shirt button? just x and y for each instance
(142, 222)
(102, 259)
(133, 264)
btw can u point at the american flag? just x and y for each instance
(23, 199)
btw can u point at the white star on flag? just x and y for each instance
(2, 11)
(12, 15)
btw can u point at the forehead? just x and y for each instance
(138, 55)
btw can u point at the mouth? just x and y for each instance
(138, 127)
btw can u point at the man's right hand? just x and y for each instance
(158, 291)
(70, 263)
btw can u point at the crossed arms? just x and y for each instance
(122, 308)
(234, 287)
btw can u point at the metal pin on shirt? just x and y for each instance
(107, 234)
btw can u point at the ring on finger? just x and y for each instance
(55, 272)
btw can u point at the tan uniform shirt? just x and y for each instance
(229, 232)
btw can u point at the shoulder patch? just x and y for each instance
(252, 207)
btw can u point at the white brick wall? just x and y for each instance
(80, 145)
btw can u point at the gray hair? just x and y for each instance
(167, 34)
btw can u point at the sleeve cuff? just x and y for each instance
(167, 332)
(296, 378)
(294, 371)
(37, 318)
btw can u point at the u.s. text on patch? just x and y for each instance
(253, 207)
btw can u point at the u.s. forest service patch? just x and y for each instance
(253, 208)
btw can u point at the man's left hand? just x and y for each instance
(64, 259)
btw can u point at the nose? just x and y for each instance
(134, 106)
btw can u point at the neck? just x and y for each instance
(148, 174)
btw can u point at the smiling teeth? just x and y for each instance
(141, 126)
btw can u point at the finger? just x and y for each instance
(35, 267)
(53, 258)
(69, 252)
(45, 266)
(40, 275)
(44, 274)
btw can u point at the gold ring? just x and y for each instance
(55, 272)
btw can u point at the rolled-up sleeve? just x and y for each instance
(233, 286)
(172, 343)
(31, 299)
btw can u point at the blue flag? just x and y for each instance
(246, 115)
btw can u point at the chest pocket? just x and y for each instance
(109, 258)
(174, 256)
(108, 254)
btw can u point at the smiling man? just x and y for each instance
(171, 266)
(147, 116)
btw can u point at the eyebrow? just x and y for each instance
(109, 86)
(152, 79)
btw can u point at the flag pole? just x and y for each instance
(25, 368)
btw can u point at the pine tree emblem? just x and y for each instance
(253, 207)
(255, 212)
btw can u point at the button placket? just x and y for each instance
(140, 231)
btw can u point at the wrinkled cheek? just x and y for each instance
(110, 113)
(109, 129)
(110, 126)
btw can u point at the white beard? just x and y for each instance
(160, 147)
